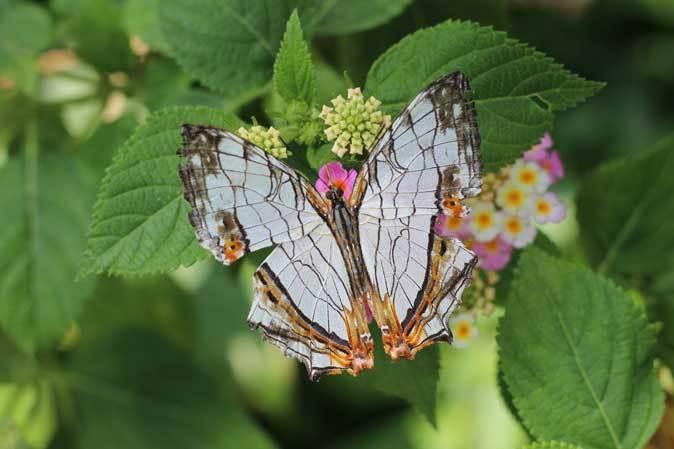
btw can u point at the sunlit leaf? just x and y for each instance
(294, 77)
(517, 89)
(574, 340)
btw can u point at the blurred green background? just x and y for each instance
(168, 361)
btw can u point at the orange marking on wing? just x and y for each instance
(405, 343)
(234, 248)
(452, 206)
(358, 191)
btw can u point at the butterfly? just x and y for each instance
(340, 260)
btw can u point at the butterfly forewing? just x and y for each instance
(434, 140)
(242, 198)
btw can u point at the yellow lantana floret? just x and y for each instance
(353, 123)
(269, 139)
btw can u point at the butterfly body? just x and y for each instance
(352, 253)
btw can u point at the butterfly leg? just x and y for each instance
(360, 339)
(395, 344)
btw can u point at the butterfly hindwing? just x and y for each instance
(302, 303)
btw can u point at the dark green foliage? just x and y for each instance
(107, 341)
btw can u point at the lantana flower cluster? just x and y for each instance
(353, 123)
(269, 139)
(504, 217)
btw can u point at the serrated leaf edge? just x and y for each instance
(87, 258)
(608, 282)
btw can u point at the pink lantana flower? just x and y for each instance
(547, 160)
(518, 231)
(546, 143)
(333, 174)
(549, 209)
(494, 255)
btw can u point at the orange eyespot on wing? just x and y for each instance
(234, 248)
(240, 195)
(452, 206)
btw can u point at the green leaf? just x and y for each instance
(221, 308)
(329, 83)
(163, 84)
(625, 210)
(228, 45)
(137, 390)
(317, 157)
(98, 150)
(338, 17)
(577, 356)
(294, 77)
(516, 88)
(507, 274)
(28, 411)
(140, 221)
(95, 29)
(25, 29)
(45, 208)
(551, 445)
(141, 18)
(157, 304)
(415, 381)
(662, 310)
(391, 433)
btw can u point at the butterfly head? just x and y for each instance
(335, 194)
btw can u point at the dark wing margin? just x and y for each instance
(242, 198)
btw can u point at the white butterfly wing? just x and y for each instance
(242, 198)
(302, 304)
(434, 140)
(432, 150)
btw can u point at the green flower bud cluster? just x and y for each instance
(267, 139)
(299, 122)
(353, 123)
(310, 133)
